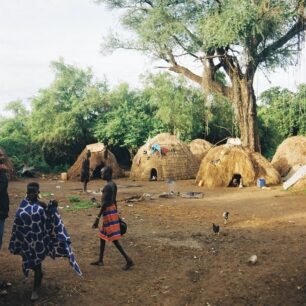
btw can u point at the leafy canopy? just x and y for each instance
(64, 114)
(282, 114)
(262, 31)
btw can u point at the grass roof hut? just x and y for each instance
(100, 157)
(199, 147)
(300, 184)
(164, 157)
(9, 165)
(226, 163)
(291, 152)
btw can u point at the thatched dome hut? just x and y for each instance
(222, 164)
(300, 184)
(100, 157)
(291, 152)
(164, 157)
(8, 163)
(199, 147)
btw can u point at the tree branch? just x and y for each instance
(182, 70)
(184, 48)
(295, 29)
(187, 73)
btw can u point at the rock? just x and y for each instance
(252, 260)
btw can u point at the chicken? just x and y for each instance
(216, 228)
(225, 216)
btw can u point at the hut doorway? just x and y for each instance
(236, 180)
(96, 174)
(153, 174)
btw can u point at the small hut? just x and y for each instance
(199, 147)
(164, 157)
(290, 153)
(300, 184)
(100, 157)
(228, 165)
(8, 163)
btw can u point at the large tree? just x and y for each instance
(235, 37)
(64, 114)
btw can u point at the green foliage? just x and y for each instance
(15, 137)
(74, 199)
(282, 114)
(60, 124)
(232, 36)
(75, 111)
(80, 205)
(232, 25)
(46, 194)
(166, 104)
(193, 26)
(180, 107)
(64, 114)
(220, 119)
(128, 121)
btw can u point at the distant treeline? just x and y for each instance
(77, 110)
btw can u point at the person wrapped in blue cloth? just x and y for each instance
(37, 232)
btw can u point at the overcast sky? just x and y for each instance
(35, 32)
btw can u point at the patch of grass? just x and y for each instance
(46, 194)
(80, 205)
(74, 199)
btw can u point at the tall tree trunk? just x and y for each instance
(244, 101)
(241, 94)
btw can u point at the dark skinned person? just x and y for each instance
(4, 198)
(85, 172)
(38, 232)
(4, 209)
(110, 228)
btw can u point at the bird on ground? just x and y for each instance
(225, 216)
(216, 228)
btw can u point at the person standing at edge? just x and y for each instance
(110, 229)
(4, 198)
(4, 209)
(85, 172)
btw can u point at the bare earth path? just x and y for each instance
(179, 261)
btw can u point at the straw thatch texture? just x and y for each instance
(96, 160)
(300, 184)
(177, 163)
(221, 163)
(7, 161)
(199, 147)
(291, 152)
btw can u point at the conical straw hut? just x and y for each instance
(291, 152)
(224, 163)
(199, 147)
(100, 157)
(9, 165)
(300, 184)
(164, 157)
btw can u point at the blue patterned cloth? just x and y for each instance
(155, 147)
(39, 232)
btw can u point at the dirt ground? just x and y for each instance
(179, 260)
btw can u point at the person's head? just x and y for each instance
(32, 191)
(107, 173)
(88, 154)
